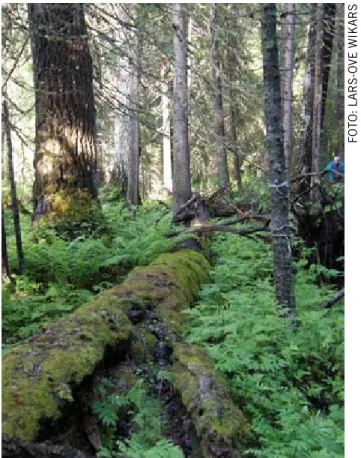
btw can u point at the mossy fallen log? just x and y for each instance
(137, 318)
(221, 427)
(39, 376)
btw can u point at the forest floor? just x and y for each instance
(287, 380)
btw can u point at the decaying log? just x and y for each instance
(17, 448)
(220, 425)
(42, 376)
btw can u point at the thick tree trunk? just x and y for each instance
(222, 165)
(182, 176)
(167, 153)
(305, 150)
(133, 192)
(287, 81)
(65, 156)
(14, 200)
(283, 270)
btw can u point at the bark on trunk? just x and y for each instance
(167, 153)
(283, 272)
(14, 199)
(5, 273)
(305, 151)
(181, 177)
(122, 122)
(328, 24)
(317, 97)
(133, 193)
(287, 81)
(340, 113)
(232, 64)
(65, 156)
(222, 165)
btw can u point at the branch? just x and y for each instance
(206, 228)
(335, 299)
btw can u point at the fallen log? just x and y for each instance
(43, 376)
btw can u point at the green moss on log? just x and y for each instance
(38, 376)
(220, 425)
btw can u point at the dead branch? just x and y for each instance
(207, 228)
(334, 300)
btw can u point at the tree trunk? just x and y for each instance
(222, 165)
(328, 24)
(232, 64)
(5, 273)
(182, 176)
(14, 200)
(317, 97)
(305, 151)
(65, 156)
(167, 154)
(122, 122)
(340, 112)
(287, 81)
(283, 273)
(133, 181)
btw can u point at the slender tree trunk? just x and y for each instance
(305, 151)
(122, 122)
(134, 160)
(340, 113)
(222, 165)
(14, 200)
(287, 81)
(65, 156)
(232, 64)
(5, 273)
(283, 271)
(167, 154)
(317, 96)
(181, 177)
(328, 24)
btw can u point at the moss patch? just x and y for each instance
(38, 376)
(220, 425)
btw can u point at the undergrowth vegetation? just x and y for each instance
(145, 420)
(288, 379)
(62, 273)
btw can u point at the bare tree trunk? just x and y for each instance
(167, 154)
(232, 64)
(340, 112)
(328, 23)
(287, 81)
(305, 152)
(181, 177)
(222, 165)
(5, 273)
(122, 122)
(66, 156)
(14, 200)
(133, 181)
(283, 272)
(317, 96)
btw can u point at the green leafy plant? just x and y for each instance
(288, 380)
